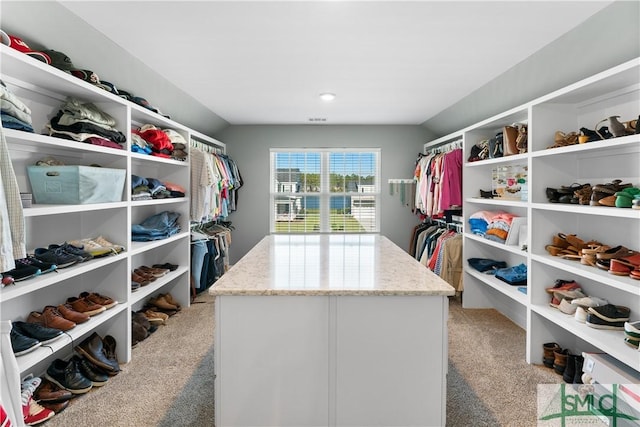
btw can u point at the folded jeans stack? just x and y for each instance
(156, 227)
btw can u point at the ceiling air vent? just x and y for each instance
(317, 119)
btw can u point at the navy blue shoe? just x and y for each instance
(22, 344)
(33, 330)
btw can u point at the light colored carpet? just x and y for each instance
(169, 380)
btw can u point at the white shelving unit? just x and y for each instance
(615, 92)
(43, 89)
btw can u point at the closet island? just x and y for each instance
(330, 330)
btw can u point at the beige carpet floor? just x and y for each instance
(169, 383)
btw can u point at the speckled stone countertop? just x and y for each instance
(329, 264)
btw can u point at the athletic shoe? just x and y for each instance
(57, 256)
(72, 250)
(32, 413)
(45, 267)
(97, 378)
(22, 272)
(22, 344)
(41, 333)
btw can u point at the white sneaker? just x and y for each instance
(589, 302)
(581, 314)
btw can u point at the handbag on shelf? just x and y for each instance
(521, 140)
(496, 146)
(479, 151)
(510, 135)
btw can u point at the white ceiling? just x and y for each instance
(389, 62)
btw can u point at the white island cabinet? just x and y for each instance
(330, 330)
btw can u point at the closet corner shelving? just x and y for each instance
(614, 92)
(44, 89)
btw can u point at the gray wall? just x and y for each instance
(49, 25)
(605, 40)
(249, 147)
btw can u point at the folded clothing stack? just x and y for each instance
(85, 122)
(156, 227)
(152, 188)
(15, 114)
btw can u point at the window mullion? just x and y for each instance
(325, 212)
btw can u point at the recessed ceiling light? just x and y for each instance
(327, 96)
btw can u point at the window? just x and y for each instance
(325, 191)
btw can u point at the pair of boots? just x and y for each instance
(563, 362)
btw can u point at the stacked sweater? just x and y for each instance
(85, 122)
(15, 114)
(492, 225)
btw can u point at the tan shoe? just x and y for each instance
(171, 300)
(70, 314)
(157, 272)
(156, 317)
(96, 298)
(50, 318)
(85, 306)
(161, 302)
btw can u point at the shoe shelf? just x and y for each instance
(614, 92)
(623, 283)
(145, 291)
(71, 338)
(605, 211)
(29, 286)
(510, 291)
(515, 249)
(609, 341)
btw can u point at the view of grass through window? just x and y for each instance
(324, 191)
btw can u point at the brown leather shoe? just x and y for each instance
(157, 272)
(145, 275)
(48, 392)
(171, 300)
(55, 407)
(156, 317)
(70, 314)
(161, 302)
(92, 349)
(96, 298)
(143, 281)
(50, 318)
(85, 306)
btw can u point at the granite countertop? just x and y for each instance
(329, 264)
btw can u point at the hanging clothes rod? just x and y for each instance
(446, 147)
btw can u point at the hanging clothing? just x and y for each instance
(12, 225)
(439, 182)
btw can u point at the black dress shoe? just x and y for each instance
(87, 369)
(66, 375)
(41, 333)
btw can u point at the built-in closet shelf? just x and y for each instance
(613, 92)
(46, 210)
(44, 89)
(624, 283)
(607, 211)
(28, 141)
(589, 147)
(496, 201)
(154, 202)
(611, 342)
(509, 248)
(144, 158)
(144, 291)
(39, 282)
(18, 67)
(140, 247)
(516, 158)
(497, 284)
(73, 336)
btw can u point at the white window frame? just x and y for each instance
(324, 194)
